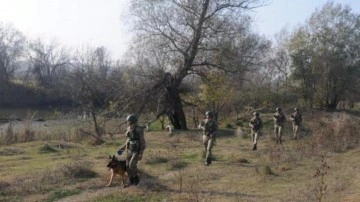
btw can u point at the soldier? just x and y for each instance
(135, 145)
(209, 127)
(279, 120)
(296, 119)
(256, 124)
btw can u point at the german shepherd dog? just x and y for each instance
(117, 167)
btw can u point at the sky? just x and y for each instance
(79, 23)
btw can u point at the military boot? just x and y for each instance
(207, 161)
(131, 181)
(136, 180)
(254, 147)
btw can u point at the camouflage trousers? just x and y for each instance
(295, 130)
(255, 135)
(131, 162)
(208, 143)
(278, 132)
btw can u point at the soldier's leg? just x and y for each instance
(256, 135)
(132, 171)
(280, 134)
(209, 150)
(205, 142)
(252, 135)
(296, 129)
(276, 132)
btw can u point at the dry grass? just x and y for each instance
(315, 168)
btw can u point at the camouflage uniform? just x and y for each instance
(209, 127)
(256, 124)
(135, 145)
(279, 120)
(296, 119)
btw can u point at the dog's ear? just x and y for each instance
(113, 157)
(110, 156)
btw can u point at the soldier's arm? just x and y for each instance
(142, 140)
(250, 124)
(261, 124)
(202, 125)
(215, 128)
(123, 147)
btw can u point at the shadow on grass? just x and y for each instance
(225, 132)
(10, 151)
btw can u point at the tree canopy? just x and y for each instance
(325, 55)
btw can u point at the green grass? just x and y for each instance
(191, 157)
(128, 198)
(61, 193)
(172, 169)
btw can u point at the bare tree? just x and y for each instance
(88, 85)
(48, 63)
(12, 45)
(196, 37)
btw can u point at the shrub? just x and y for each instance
(47, 149)
(78, 169)
(336, 134)
(10, 137)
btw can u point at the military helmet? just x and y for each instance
(256, 114)
(278, 109)
(131, 119)
(210, 113)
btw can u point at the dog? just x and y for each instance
(117, 167)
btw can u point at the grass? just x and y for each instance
(172, 168)
(62, 193)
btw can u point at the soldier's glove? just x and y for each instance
(140, 157)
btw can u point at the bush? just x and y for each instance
(78, 169)
(47, 149)
(336, 135)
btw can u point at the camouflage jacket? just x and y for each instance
(256, 123)
(135, 142)
(296, 118)
(279, 119)
(209, 127)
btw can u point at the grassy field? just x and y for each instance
(322, 166)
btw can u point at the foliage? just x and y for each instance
(215, 92)
(325, 55)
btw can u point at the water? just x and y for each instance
(24, 113)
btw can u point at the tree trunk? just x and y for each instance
(175, 112)
(331, 105)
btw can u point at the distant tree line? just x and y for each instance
(190, 57)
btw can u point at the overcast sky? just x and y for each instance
(77, 23)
